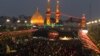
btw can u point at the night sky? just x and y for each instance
(72, 7)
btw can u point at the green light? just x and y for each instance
(52, 25)
(28, 24)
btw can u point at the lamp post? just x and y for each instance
(25, 24)
(7, 24)
(18, 24)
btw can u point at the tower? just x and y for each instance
(48, 13)
(83, 22)
(57, 12)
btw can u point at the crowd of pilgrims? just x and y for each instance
(32, 46)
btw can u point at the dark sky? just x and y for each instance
(72, 7)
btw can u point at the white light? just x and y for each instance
(25, 21)
(34, 26)
(99, 20)
(34, 37)
(8, 20)
(95, 21)
(48, 0)
(0, 25)
(85, 31)
(88, 23)
(57, 1)
(65, 38)
(51, 39)
(18, 21)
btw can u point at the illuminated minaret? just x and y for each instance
(57, 12)
(83, 22)
(48, 13)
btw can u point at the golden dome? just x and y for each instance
(37, 19)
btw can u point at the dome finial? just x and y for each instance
(48, 0)
(57, 2)
(83, 14)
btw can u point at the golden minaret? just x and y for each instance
(57, 12)
(83, 22)
(48, 13)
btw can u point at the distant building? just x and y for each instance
(37, 19)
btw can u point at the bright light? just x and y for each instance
(25, 21)
(34, 37)
(85, 31)
(18, 21)
(31, 21)
(48, 0)
(88, 23)
(34, 26)
(65, 38)
(51, 39)
(99, 20)
(95, 21)
(57, 1)
(8, 20)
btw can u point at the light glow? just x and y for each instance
(92, 21)
(99, 20)
(57, 2)
(95, 21)
(8, 20)
(48, 0)
(85, 31)
(18, 21)
(65, 38)
(25, 21)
